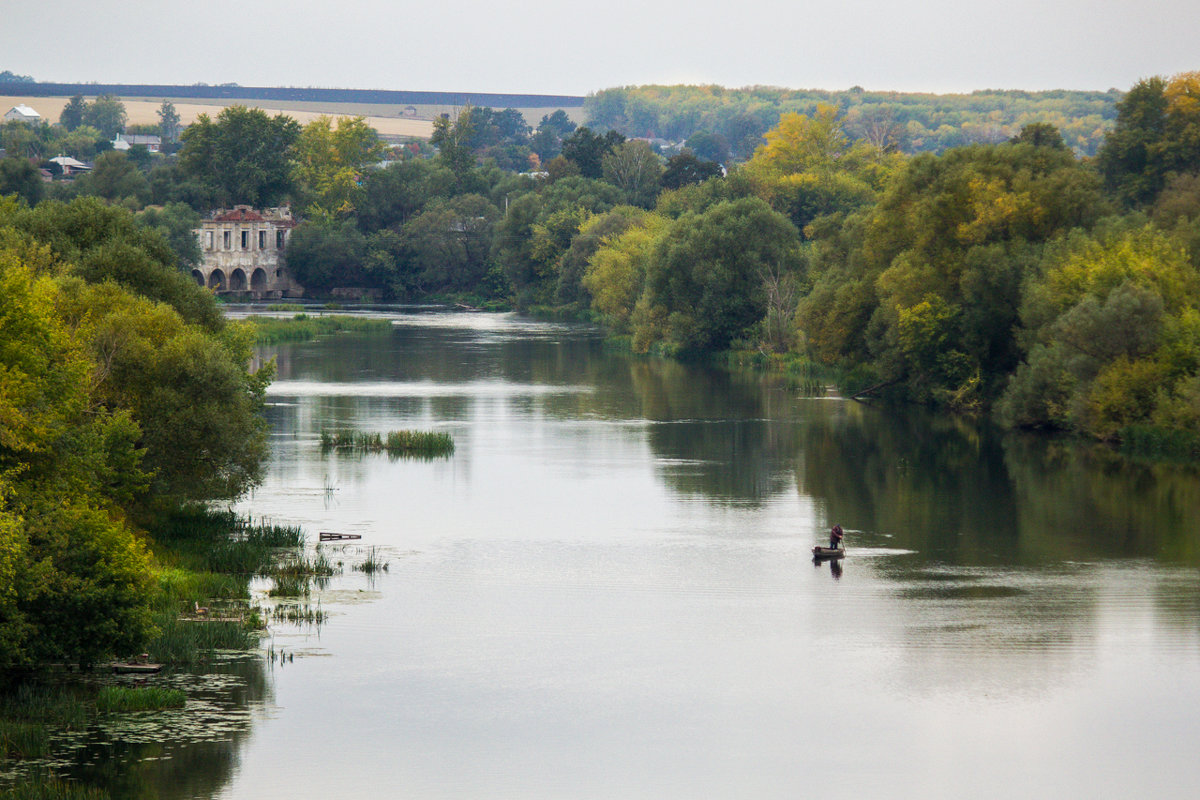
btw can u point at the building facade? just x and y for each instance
(242, 252)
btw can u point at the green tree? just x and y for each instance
(103, 243)
(635, 169)
(705, 281)
(244, 156)
(18, 176)
(587, 149)
(107, 115)
(178, 222)
(329, 162)
(73, 113)
(685, 168)
(449, 242)
(453, 141)
(169, 125)
(616, 271)
(326, 254)
(115, 177)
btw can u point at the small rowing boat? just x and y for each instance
(829, 552)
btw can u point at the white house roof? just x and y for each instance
(67, 161)
(24, 111)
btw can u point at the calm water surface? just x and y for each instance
(606, 591)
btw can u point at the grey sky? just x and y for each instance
(569, 47)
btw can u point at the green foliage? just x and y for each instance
(453, 141)
(328, 162)
(177, 222)
(323, 255)
(105, 243)
(704, 279)
(719, 123)
(124, 699)
(1114, 331)
(1157, 134)
(106, 114)
(243, 156)
(303, 328)
(587, 149)
(394, 443)
(115, 177)
(18, 176)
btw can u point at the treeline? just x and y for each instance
(124, 397)
(1011, 278)
(722, 124)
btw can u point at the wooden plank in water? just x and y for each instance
(326, 536)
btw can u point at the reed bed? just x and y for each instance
(30, 711)
(123, 699)
(431, 444)
(182, 641)
(41, 786)
(303, 328)
(373, 563)
(291, 612)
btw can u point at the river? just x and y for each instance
(606, 591)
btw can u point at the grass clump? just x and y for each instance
(119, 699)
(303, 328)
(373, 563)
(395, 443)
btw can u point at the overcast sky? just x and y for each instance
(572, 47)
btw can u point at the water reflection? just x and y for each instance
(607, 590)
(180, 754)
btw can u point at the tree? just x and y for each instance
(178, 222)
(168, 124)
(704, 282)
(1113, 333)
(73, 580)
(115, 177)
(587, 150)
(808, 167)
(547, 141)
(685, 168)
(107, 115)
(453, 141)
(1040, 134)
(329, 162)
(634, 168)
(616, 271)
(73, 112)
(243, 156)
(449, 242)
(18, 176)
(327, 253)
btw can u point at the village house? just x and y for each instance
(124, 141)
(70, 166)
(22, 113)
(242, 252)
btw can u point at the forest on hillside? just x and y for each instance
(721, 124)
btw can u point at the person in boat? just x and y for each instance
(835, 537)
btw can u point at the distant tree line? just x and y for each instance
(728, 124)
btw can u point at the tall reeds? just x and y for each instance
(120, 699)
(430, 444)
(303, 328)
